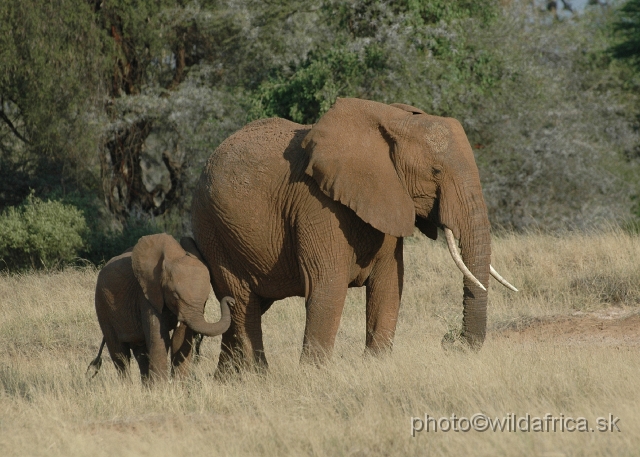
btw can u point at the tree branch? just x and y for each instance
(180, 66)
(7, 121)
(567, 5)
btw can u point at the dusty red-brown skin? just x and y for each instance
(283, 209)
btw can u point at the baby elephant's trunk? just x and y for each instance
(198, 324)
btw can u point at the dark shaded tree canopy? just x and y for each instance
(113, 106)
(628, 28)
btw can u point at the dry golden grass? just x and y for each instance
(356, 405)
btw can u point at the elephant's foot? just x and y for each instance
(232, 363)
(314, 354)
(454, 341)
(377, 349)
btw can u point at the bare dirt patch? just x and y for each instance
(609, 327)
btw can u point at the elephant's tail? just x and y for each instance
(95, 365)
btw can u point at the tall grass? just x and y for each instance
(356, 405)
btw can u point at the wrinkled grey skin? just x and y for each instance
(283, 209)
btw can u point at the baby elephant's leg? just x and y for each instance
(156, 332)
(181, 350)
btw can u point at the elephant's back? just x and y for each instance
(116, 273)
(242, 207)
(253, 160)
(246, 177)
(116, 299)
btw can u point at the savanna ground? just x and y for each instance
(567, 344)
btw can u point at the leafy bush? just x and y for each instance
(103, 245)
(387, 52)
(105, 237)
(312, 89)
(40, 234)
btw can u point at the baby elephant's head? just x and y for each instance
(177, 278)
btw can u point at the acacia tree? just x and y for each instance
(49, 86)
(135, 46)
(128, 99)
(628, 29)
(168, 58)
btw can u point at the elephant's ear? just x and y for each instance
(409, 108)
(147, 258)
(189, 245)
(350, 157)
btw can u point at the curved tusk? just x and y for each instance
(501, 280)
(453, 250)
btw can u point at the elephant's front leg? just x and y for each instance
(242, 345)
(384, 291)
(181, 350)
(156, 333)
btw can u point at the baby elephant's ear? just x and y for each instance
(189, 245)
(147, 260)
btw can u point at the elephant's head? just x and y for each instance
(397, 167)
(174, 277)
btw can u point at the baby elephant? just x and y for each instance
(147, 292)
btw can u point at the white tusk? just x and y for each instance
(453, 250)
(501, 280)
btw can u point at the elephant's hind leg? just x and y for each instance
(242, 345)
(121, 360)
(384, 290)
(119, 352)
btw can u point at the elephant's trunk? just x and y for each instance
(472, 224)
(197, 322)
(475, 248)
(453, 250)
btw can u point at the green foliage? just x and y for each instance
(75, 226)
(434, 11)
(104, 237)
(387, 52)
(137, 42)
(553, 136)
(627, 27)
(49, 83)
(367, 18)
(104, 244)
(317, 82)
(40, 234)
(121, 102)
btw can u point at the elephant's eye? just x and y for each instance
(436, 171)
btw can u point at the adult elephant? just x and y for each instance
(283, 209)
